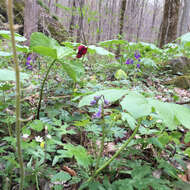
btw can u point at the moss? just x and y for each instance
(180, 81)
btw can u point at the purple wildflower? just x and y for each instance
(132, 61)
(99, 113)
(106, 102)
(93, 102)
(27, 63)
(97, 98)
(29, 67)
(137, 55)
(138, 65)
(29, 58)
(128, 62)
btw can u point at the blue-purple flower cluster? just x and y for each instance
(131, 61)
(95, 102)
(28, 62)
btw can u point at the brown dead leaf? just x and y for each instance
(69, 170)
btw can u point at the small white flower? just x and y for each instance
(159, 121)
(48, 136)
(25, 136)
(39, 139)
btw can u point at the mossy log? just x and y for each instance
(180, 81)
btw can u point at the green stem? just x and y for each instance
(37, 185)
(101, 147)
(18, 113)
(115, 155)
(42, 88)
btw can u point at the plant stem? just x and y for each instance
(101, 148)
(18, 113)
(42, 88)
(37, 185)
(115, 155)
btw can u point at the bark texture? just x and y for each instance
(185, 22)
(168, 29)
(30, 19)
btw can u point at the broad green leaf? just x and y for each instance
(7, 35)
(136, 104)
(80, 154)
(112, 42)
(182, 114)
(99, 50)
(187, 151)
(39, 39)
(45, 51)
(150, 45)
(5, 54)
(120, 74)
(187, 137)
(111, 95)
(148, 62)
(9, 75)
(64, 52)
(166, 112)
(130, 120)
(60, 177)
(20, 48)
(43, 45)
(37, 125)
(185, 38)
(75, 71)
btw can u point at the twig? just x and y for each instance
(17, 73)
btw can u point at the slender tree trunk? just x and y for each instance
(140, 19)
(168, 28)
(99, 20)
(72, 22)
(154, 17)
(121, 22)
(80, 23)
(185, 23)
(30, 19)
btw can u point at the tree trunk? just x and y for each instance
(72, 22)
(30, 19)
(80, 23)
(168, 28)
(99, 21)
(185, 24)
(121, 22)
(154, 17)
(140, 19)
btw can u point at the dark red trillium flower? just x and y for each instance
(81, 51)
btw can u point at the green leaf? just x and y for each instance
(43, 45)
(112, 42)
(187, 151)
(20, 48)
(99, 50)
(80, 154)
(120, 74)
(111, 95)
(148, 62)
(45, 51)
(75, 71)
(136, 104)
(5, 54)
(187, 137)
(185, 38)
(64, 52)
(37, 125)
(182, 114)
(60, 177)
(166, 112)
(7, 35)
(130, 120)
(9, 75)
